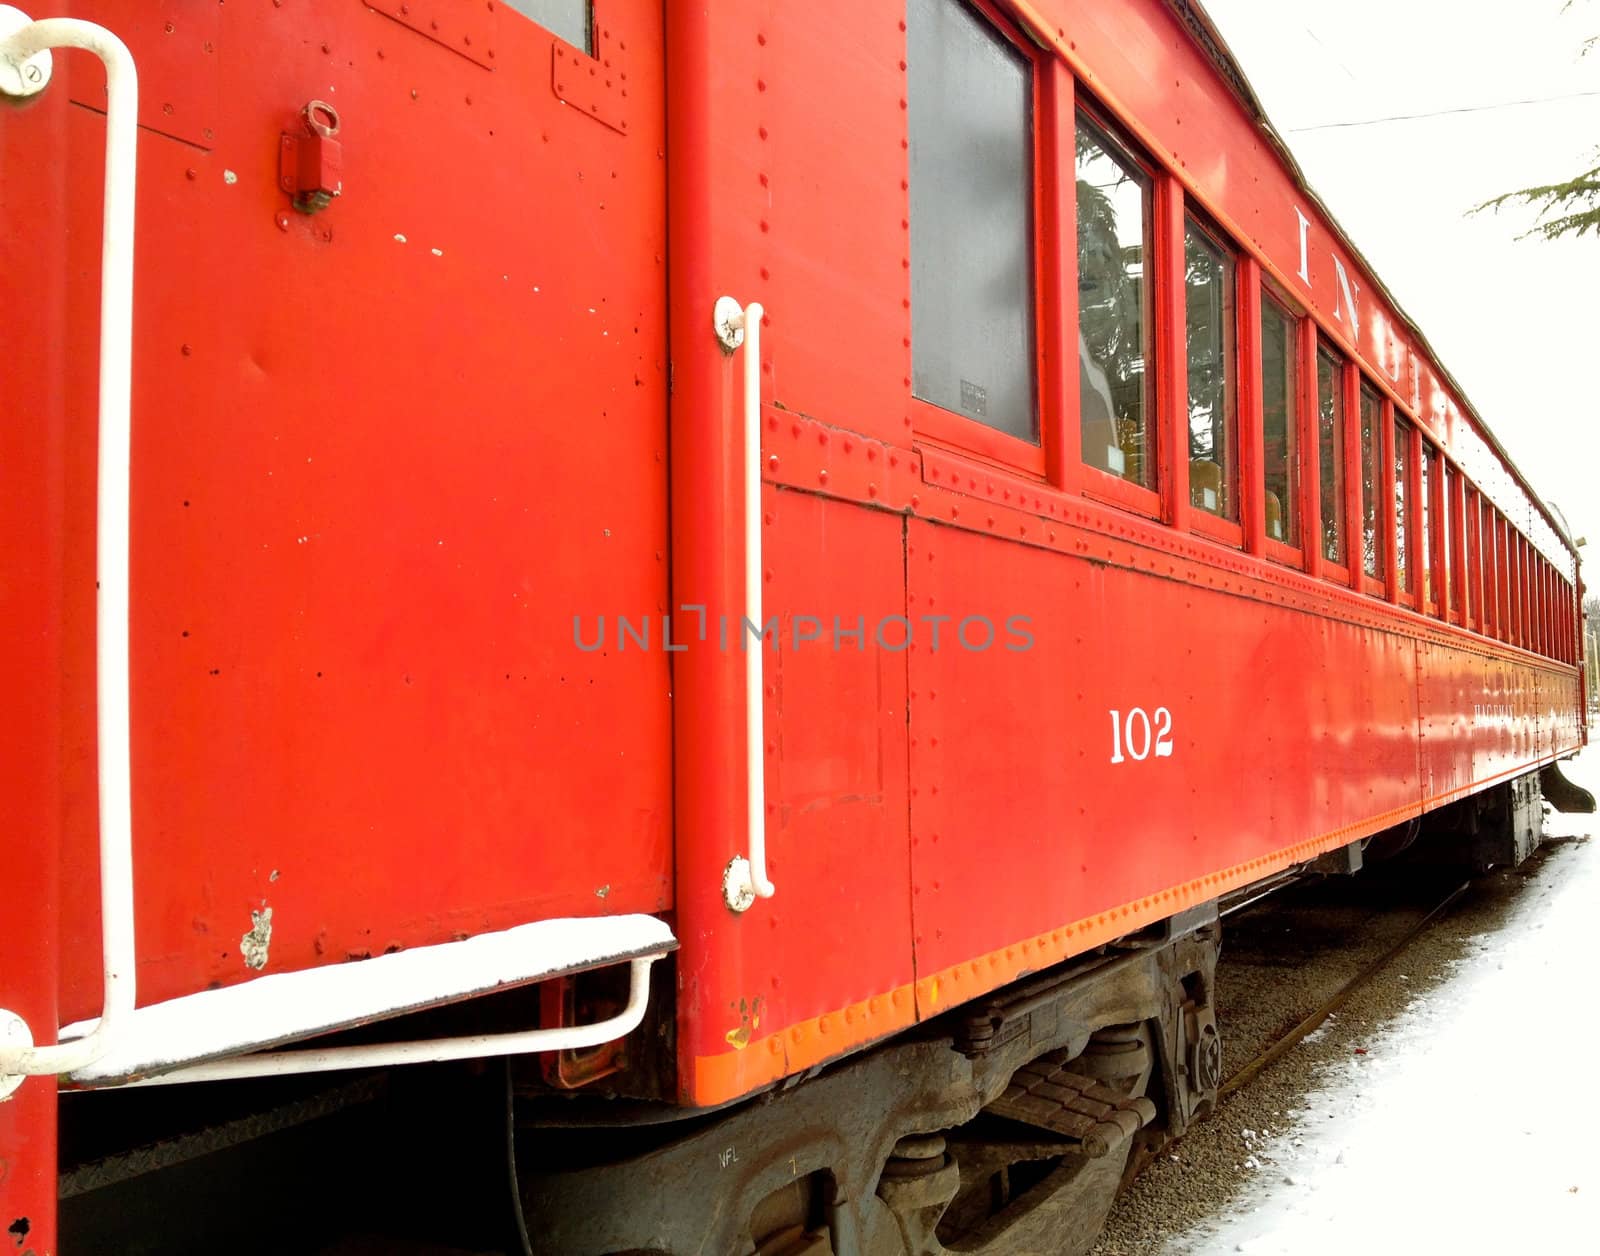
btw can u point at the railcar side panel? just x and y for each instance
(359, 538)
(1035, 811)
(831, 957)
(820, 154)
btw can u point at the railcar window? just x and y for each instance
(573, 20)
(1449, 561)
(1209, 280)
(1371, 482)
(1330, 450)
(1402, 506)
(1429, 593)
(971, 133)
(1402, 498)
(1502, 546)
(1474, 558)
(1278, 421)
(1490, 604)
(1113, 314)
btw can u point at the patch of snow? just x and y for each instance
(1433, 1148)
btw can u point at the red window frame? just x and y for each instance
(1359, 388)
(1302, 395)
(1460, 606)
(1410, 597)
(1230, 532)
(1163, 206)
(958, 433)
(1474, 553)
(1311, 467)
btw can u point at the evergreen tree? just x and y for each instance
(1569, 208)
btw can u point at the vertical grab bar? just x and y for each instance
(25, 70)
(745, 880)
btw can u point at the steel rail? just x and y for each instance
(1282, 1046)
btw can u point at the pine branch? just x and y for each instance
(1576, 204)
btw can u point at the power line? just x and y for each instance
(1439, 113)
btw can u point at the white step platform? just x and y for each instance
(281, 1008)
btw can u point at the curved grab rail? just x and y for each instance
(23, 48)
(745, 880)
(426, 1051)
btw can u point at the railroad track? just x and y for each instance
(1285, 1043)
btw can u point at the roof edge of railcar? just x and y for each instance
(1204, 31)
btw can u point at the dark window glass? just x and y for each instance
(1113, 319)
(1330, 453)
(1210, 323)
(1474, 556)
(1278, 421)
(1447, 556)
(1430, 594)
(568, 18)
(971, 107)
(1371, 482)
(1455, 487)
(1402, 504)
(1490, 604)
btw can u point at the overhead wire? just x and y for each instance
(1440, 113)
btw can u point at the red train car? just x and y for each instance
(578, 533)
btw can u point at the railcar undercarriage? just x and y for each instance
(1006, 1127)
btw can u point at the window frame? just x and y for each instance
(1205, 523)
(591, 21)
(1434, 588)
(1094, 482)
(1472, 510)
(1328, 568)
(962, 434)
(1449, 612)
(1301, 331)
(1506, 615)
(1460, 559)
(1420, 553)
(1489, 607)
(1359, 389)
(1519, 588)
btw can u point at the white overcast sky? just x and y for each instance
(1516, 322)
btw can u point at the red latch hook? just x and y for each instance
(310, 165)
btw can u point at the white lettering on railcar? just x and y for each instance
(1139, 734)
(1349, 291)
(1305, 256)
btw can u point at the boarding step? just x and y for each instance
(1048, 1095)
(282, 1008)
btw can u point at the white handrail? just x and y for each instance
(111, 613)
(426, 1051)
(745, 880)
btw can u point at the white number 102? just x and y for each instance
(1137, 733)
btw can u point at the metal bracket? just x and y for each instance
(738, 888)
(30, 75)
(727, 318)
(15, 1036)
(310, 162)
(591, 85)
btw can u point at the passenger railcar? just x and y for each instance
(711, 551)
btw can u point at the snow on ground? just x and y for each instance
(1472, 1123)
